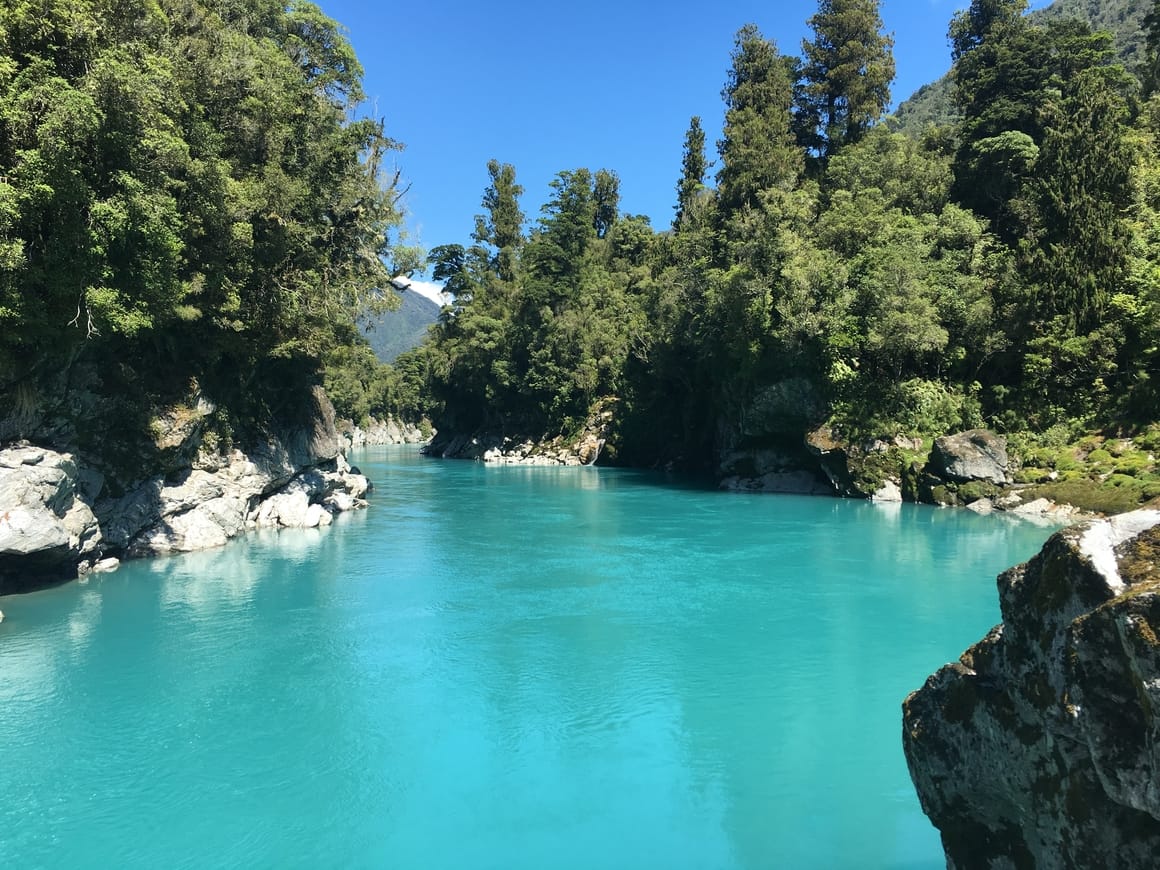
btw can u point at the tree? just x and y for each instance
(606, 197)
(502, 226)
(1082, 190)
(693, 169)
(187, 185)
(846, 75)
(758, 151)
(1150, 74)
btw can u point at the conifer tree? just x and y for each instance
(502, 226)
(693, 169)
(758, 151)
(847, 71)
(606, 194)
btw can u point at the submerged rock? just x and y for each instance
(1039, 746)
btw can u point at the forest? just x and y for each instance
(998, 271)
(188, 204)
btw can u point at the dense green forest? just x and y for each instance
(934, 104)
(187, 199)
(834, 273)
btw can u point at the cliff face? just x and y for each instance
(1039, 747)
(60, 516)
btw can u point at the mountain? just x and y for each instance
(396, 332)
(1124, 19)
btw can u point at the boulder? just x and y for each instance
(890, 492)
(1039, 746)
(46, 526)
(982, 506)
(973, 455)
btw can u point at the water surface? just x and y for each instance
(499, 667)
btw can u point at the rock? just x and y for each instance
(1008, 501)
(340, 502)
(1036, 507)
(973, 455)
(1038, 747)
(316, 515)
(982, 506)
(46, 526)
(284, 509)
(890, 492)
(799, 482)
(106, 566)
(784, 409)
(497, 449)
(378, 432)
(588, 449)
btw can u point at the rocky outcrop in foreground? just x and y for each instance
(1039, 747)
(58, 518)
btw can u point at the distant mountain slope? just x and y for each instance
(1124, 19)
(398, 331)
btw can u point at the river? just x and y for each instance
(499, 667)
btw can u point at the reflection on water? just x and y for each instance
(516, 667)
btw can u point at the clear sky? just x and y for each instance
(550, 86)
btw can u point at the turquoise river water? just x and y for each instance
(498, 668)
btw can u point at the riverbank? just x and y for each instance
(62, 516)
(972, 469)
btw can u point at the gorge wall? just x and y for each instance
(66, 509)
(1038, 748)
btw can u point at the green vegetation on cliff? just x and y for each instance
(186, 195)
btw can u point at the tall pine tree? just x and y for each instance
(693, 169)
(758, 151)
(846, 75)
(502, 226)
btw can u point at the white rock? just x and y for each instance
(888, 493)
(315, 516)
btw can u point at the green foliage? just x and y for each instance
(183, 187)
(846, 75)
(1004, 272)
(693, 169)
(758, 151)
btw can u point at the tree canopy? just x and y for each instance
(186, 184)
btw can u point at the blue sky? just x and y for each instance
(550, 86)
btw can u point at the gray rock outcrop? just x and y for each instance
(771, 470)
(1039, 747)
(583, 448)
(45, 517)
(380, 432)
(56, 520)
(973, 455)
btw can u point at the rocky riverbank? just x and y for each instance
(60, 517)
(581, 448)
(1038, 747)
(383, 432)
(970, 469)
